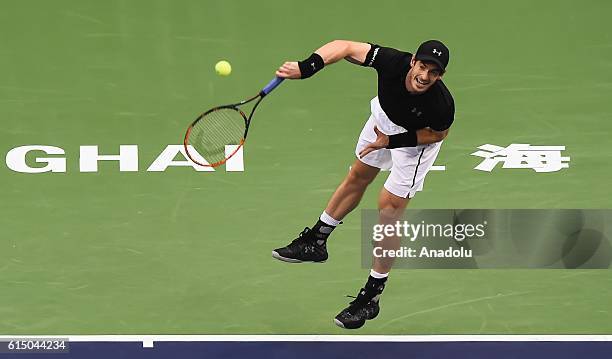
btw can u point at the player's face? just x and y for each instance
(422, 76)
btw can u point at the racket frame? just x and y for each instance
(247, 121)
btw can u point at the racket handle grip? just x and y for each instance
(271, 85)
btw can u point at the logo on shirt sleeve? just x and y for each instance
(374, 56)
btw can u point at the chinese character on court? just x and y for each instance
(518, 155)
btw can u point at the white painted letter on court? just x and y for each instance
(127, 157)
(16, 159)
(518, 155)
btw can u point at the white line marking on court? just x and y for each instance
(453, 305)
(433, 168)
(84, 17)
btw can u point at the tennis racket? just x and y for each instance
(219, 133)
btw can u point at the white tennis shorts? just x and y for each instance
(408, 165)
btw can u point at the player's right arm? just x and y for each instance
(327, 54)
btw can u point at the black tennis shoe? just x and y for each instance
(361, 309)
(305, 248)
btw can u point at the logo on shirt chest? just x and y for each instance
(416, 112)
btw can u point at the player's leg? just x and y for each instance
(410, 166)
(390, 210)
(310, 246)
(348, 194)
(366, 305)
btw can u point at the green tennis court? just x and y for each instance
(185, 252)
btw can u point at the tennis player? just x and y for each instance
(410, 118)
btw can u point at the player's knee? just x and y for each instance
(358, 178)
(390, 213)
(391, 203)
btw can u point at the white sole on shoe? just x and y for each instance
(291, 260)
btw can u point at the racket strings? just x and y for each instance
(214, 131)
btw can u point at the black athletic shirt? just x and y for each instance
(434, 109)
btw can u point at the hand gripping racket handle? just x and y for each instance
(271, 86)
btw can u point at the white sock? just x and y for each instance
(377, 275)
(327, 219)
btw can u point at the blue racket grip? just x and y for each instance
(272, 85)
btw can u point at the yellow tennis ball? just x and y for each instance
(223, 68)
